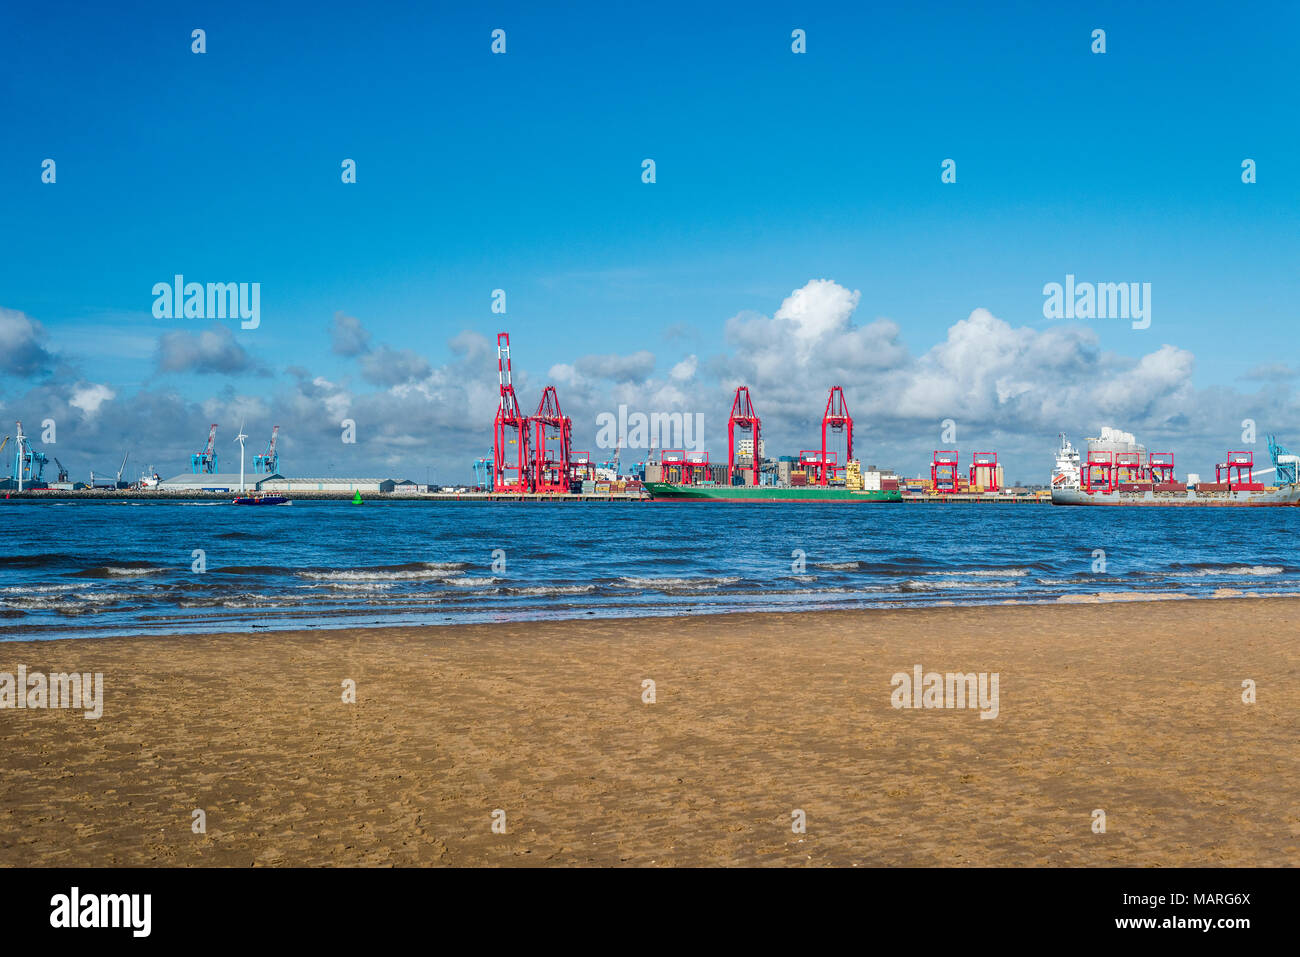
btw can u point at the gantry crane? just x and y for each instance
(551, 471)
(268, 462)
(511, 467)
(205, 462)
(836, 419)
(743, 417)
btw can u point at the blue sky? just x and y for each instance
(522, 172)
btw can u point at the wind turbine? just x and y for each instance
(240, 439)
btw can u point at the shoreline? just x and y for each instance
(1135, 710)
(1123, 598)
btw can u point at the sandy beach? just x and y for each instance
(1134, 709)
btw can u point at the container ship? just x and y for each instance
(791, 484)
(768, 493)
(1120, 471)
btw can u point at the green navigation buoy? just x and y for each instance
(356, 499)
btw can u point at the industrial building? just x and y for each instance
(278, 483)
(216, 482)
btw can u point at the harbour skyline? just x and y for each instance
(798, 234)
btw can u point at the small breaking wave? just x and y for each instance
(916, 584)
(1219, 571)
(411, 571)
(124, 570)
(987, 573)
(679, 584)
(540, 590)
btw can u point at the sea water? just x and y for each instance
(76, 569)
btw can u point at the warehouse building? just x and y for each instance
(216, 482)
(278, 483)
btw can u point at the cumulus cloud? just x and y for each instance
(389, 367)
(214, 350)
(348, 337)
(1008, 388)
(685, 369)
(21, 349)
(89, 396)
(1271, 372)
(636, 367)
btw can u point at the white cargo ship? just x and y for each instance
(1117, 470)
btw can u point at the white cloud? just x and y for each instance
(685, 369)
(90, 396)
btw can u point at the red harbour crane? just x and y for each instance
(943, 470)
(837, 419)
(986, 462)
(1105, 463)
(551, 471)
(1243, 463)
(512, 466)
(1160, 466)
(745, 418)
(692, 466)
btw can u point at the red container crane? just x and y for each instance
(989, 462)
(1243, 463)
(943, 470)
(551, 471)
(512, 467)
(1106, 462)
(743, 417)
(1160, 466)
(693, 466)
(837, 419)
(580, 467)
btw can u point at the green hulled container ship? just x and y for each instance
(668, 491)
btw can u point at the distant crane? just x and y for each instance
(120, 469)
(29, 464)
(1285, 464)
(63, 473)
(240, 439)
(269, 461)
(206, 461)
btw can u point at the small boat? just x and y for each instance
(261, 499)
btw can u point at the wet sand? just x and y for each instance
(1135, 709)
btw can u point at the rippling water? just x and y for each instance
(84, 568)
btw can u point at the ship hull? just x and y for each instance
(664, 491)
(1270, 498)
